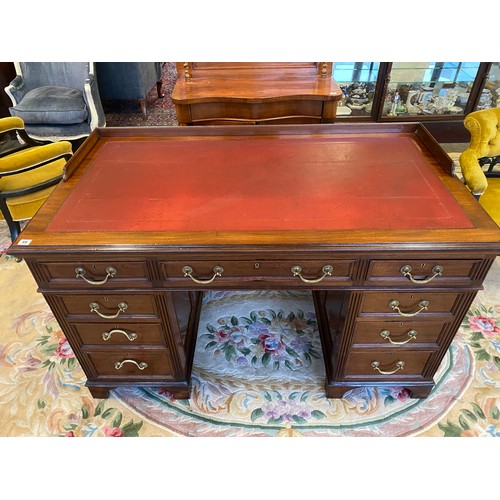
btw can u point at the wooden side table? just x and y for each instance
(255, 93)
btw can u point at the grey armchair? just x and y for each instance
(129, 81)
(56, 100)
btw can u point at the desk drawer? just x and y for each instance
(397, 333)
(325, 271)
(132, 364)
(94, 275)
(386, 364)
(408, 304)
(110, 306)
(119, 334)
(413, 273)
(282, 108)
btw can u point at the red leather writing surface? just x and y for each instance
(259, 184)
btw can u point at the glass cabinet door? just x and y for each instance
(357, 81)
(490, 94)
(428, 89)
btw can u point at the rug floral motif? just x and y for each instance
(258, 371)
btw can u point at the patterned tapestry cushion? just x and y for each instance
(52, 104)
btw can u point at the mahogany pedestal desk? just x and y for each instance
(367, 217)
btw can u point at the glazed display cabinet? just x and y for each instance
(415, 91)
(490, 92)
(357, 80)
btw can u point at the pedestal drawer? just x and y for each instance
(394, 333)
(393, 364)
(137, 363)
(128, 334)
(408, 304)
(110, 306)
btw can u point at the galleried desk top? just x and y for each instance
(283, 185)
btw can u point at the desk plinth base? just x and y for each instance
(179, 390)
(332, 390)
(337, 390)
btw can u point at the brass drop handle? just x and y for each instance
(376, 366)
(130, 336)
(326, 270)
(94, 307)
(386, 334)
(188, 272)
(80, 273)
(142, 365)
(394, 304)
(436, 270)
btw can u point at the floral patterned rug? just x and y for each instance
(258, 371)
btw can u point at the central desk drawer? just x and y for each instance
(110, 306)
(294, 272)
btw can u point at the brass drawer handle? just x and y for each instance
(394, 304)
(326, 270)
(94, 307)
(386, 334)
(130, 336)
(80, 273)
(188, 272)
(399, 366)
(436, 270)
(142, 365)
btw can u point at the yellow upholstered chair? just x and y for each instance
(29, 172)
(483, 151)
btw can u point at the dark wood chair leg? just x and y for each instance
(14, 226)
(142, 102)
(15, 229)
(158, 89)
